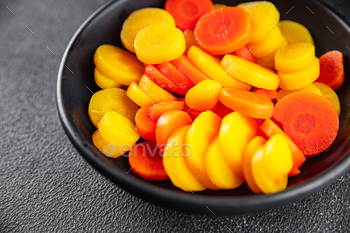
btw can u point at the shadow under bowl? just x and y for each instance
(76, 83)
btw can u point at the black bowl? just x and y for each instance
(75, 84)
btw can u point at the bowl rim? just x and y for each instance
(222, 205)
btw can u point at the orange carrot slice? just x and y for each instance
(310, 120)
(170, 71)
(223, 30)
(186, 67)
(146, 161)
(187, 12)
(247, 103)
(244, 53)
(168, 122)
(156, 76)
(332, 69)
(158, 109)
(269, 128)
(144, 125)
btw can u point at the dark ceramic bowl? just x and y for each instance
(75, 78)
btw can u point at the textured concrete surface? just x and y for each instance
(46, 186)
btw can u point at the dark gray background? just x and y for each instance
(45, 185)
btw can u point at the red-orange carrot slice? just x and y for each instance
(146, 161)
(187, 12)
(167, 123)
(174, 75)
(186, 67)
(244, 53)
(223, 30)
(332, 69)
(156, 76)
(158, 109)
(144, 125)
(247, 103)
(269, 128)
(310, 121)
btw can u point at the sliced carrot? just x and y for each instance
(158, 109)
(118, 64)
(111, 99)
(146, 161)
(118, 132)
(204, 96)
(244, 53)
(249, 72)
(223, 30)
(294, 57)
(310, 120)
(219, 172)
(175, 163)
(248, 153)
(186, 67)
(332, 69)
(247, 103)
(109, 149)
(187, 12)
(271, 164)
(263, 16)
(272, 94)
(170, 71)
(158, 43)
(153, 90)
(144, 125)
(236, 131)
(221, 110)
(137, 95)
(103, 81)
(199, 135)
(156, 76)
(168, 122)
(300, 78)
(269, 128)
(139, 19)
(295, 32)
(210, 65)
